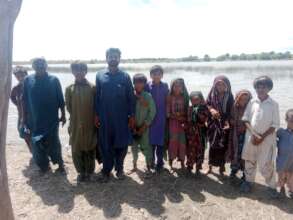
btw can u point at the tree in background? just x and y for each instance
(206, 58)
(9, 10)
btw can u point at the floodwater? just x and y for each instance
(240, 79)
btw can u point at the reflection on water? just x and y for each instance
(282, 91)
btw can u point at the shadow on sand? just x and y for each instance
(149, 194)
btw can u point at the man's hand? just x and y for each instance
(131, 123)
(97, 121)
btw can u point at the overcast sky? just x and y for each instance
(83, 29)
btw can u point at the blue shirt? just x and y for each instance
(157, 129)
(285, 150)
(115, 103)
(43, 98)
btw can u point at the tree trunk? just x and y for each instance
(9, 10)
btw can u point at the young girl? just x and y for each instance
(238, 132)
(220, 102)
(196, 131)
(285, 154)
(177, 114)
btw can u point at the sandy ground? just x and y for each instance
(167, 196)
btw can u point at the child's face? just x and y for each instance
(177, 89)
(79, 76)
(203, 117)
(20, 77)
(156, 77)
(262, 91)
(195, 100)
(243, 100)
(221, 87)
(290, 122)
(139, 87)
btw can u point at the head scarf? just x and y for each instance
(224, 105)
(196, 110)
(196, 94)
(239, 95)
(238, 111)
(184, 90)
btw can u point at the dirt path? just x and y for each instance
(169, 196)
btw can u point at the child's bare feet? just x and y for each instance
(210, 170)
(197, 172)
(182, 165)
(222, 170)
(133, 170)
(171, 164)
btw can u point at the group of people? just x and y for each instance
(117, 112)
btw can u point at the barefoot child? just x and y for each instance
(220, 102)
(80, 100)
(285, 154)
(196, 131)
(177, 108)
(159, 91)
(17, 99)
(261, 118)
(144, 115)
(238, 132)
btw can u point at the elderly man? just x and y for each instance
(43, 99)
(115, 104)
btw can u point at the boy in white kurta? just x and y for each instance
(262, 119)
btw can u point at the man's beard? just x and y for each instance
(113, 64)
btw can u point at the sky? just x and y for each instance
(84, 29)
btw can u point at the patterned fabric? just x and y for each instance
(196, 136)
(176, 112)
(218, 136)
(238, 132)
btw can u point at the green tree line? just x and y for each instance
(206, 58)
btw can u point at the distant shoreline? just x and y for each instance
(272, 66)
(262, 56)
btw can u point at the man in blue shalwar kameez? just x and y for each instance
(115, 106)
(43, 98)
